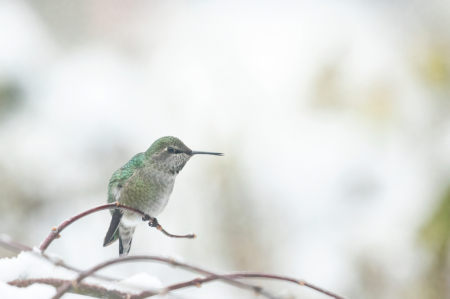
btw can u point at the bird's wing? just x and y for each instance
(116, 182)
(119, 178)
(111, 235)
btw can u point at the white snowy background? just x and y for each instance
(335, 134)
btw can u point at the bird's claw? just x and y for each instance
(153, 222)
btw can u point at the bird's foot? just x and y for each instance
(153, 222)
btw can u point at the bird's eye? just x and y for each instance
(170, 150)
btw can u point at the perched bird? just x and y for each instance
(145, 183)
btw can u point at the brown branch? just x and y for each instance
(76, 286)
(101, 292)
(55, 231)
(188, 236)
(8, 243)
(81, 289)
(85, 289)
(16, 247)
(67, 286)
(199, 281)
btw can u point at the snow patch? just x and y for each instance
(136, 284)
(29, 265)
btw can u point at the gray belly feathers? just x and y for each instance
(161, 186)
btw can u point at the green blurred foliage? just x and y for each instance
(435, 66)
(375, 102)
(19, 207)
(436, 232)
(435, 235)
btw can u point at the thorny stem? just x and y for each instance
(55, 231)
(68, 285)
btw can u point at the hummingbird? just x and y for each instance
(145, 183)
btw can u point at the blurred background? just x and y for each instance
(334, 117)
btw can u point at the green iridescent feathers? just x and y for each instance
(119, 177)
(165, 142)
(125, 172)
(116, 181)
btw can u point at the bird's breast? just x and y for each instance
(160, 186)
(148, 192)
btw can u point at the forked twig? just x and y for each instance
(83, 288)
(55, 231)
(68, 285)
(79, 287)
(94, 290)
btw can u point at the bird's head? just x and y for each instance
(171, 154)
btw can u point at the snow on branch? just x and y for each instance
(69, 283)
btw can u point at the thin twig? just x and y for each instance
(67, 286)
(236, 275)
(188, 236)
(11, 245)
(55, 231)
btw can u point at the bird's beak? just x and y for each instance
(205, 153)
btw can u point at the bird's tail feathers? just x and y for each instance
(125, 238)
(112, 234)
